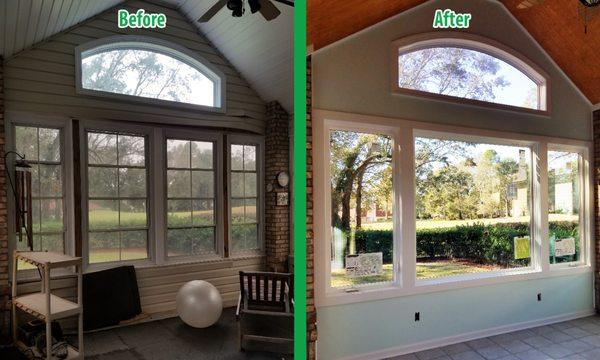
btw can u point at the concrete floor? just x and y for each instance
(571, 340)
(172, 339)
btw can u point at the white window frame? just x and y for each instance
(191, 135)
(476, 43)
(173, 50)
(405, 227)
(14, 119)
(585, 216)
(120, 128)
(238, 139)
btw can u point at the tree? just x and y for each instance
(451, 71)
(450, 194)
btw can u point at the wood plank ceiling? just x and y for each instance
(556, 26)
(261, 51)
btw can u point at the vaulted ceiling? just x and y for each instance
(261, 51)
(555, 24)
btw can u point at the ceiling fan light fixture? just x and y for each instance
(236, 7)
(254, 5)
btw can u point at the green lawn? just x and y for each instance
(425, 270)
(435, 224)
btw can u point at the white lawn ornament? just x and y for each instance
(199, 304)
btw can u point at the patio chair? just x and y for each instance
(265, 308)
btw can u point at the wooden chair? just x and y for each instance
(265, 308)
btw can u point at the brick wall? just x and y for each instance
(311, 315)
(4, 290)
(277, 159)
(596, 132)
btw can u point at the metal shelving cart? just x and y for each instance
(44, 305)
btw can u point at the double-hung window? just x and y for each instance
(117, 197)
(191, 197)
(245, 231)
(43, 150)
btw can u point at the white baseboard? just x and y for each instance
(454, 339)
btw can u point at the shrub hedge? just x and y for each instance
(478, 242)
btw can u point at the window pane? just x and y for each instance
(145, 73)
(237, 157)
(179, 184)
(103, 214)
(204, 240)
(249, 158)
(102, 148)
(36, 215)
(104, 247)
(131, 150)
(133, 245)
(195, 241)
(133, 214)
(564, 202)
(51, 215)
(237, 185)
(202, 155)
(26, 142)
(203, 213)
(245, 237)
(250, 211)
(237, 211)
(49, 145)
(102, 182)
(178, 153)
(202, 184)
(362, 197)
(466, 73)
(53, 243)
(35, 180)
(51, 181)
(250, 184)
(473, 207)
(132, 182)
(180, 213)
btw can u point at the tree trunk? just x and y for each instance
(359, 187)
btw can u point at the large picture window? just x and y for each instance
(42, 147)
(191, 228)
(362, 218)
(117, 197)
(244, 198)
(473, 207)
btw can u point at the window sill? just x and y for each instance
(365, 294)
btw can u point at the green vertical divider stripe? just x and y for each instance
(299, 180)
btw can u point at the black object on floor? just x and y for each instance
(11, 353)
(110, 296)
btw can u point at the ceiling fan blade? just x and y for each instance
(268, 10)
(213, 11)
(526, 4)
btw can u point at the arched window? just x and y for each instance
(148, 69)
(474, 69)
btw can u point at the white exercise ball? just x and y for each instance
(199, 304)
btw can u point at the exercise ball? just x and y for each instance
(199, 304)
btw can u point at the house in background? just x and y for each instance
(158, 148)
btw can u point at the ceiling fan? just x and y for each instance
(526, 4)
(265, 7)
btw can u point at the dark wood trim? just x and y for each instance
(77, 189)
(225, 197)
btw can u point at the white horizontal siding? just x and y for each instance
(42, 79)
(158, 286)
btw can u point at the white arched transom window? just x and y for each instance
(470, 71)
(148, 69)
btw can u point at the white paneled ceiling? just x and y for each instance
(261, 51)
